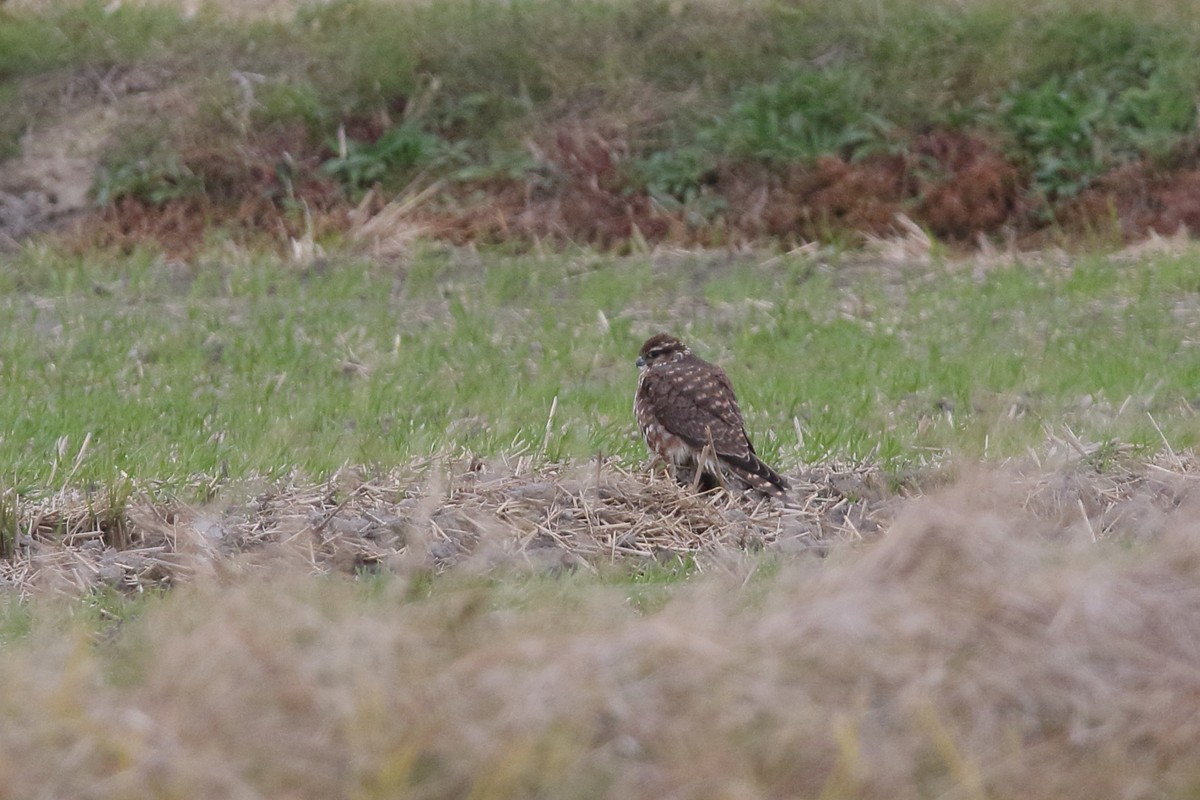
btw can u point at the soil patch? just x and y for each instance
(49, 185)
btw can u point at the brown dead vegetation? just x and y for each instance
(965, 187)
(578, 196)
(268, 187)
(956, 186)
(1139, 198)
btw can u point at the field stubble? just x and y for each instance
(480, 516)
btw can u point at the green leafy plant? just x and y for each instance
(674, 176)
(1055, 125)
(676, 179)
(811, 113)
(1158, 115)
(512, 165)
(1072, 128)
(152, 180)
(397, 151)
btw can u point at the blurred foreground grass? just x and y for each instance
(969, 652)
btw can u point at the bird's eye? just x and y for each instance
(655, 353)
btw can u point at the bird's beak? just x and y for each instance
(641, 362)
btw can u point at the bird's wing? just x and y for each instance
(696, 402)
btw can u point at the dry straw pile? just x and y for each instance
(476, 515)
(432, 516)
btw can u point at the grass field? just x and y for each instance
(292, 510)
(242, 365)
(987, 645)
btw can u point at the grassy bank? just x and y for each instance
(664, 117)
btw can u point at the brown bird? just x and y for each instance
(690, 418)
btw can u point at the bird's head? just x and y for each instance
(661, 348)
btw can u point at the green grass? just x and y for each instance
(256, 366)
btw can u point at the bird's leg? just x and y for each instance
(699, 472)
(659, 461)
(708, 456)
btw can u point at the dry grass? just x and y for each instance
(983, 647)
(469, 513)
(499, 515)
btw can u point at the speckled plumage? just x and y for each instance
(683, 404)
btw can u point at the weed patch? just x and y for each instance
(808, 115)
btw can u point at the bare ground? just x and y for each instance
(48, 186)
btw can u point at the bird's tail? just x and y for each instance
(756, 474)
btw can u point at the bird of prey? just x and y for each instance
(689, 417)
